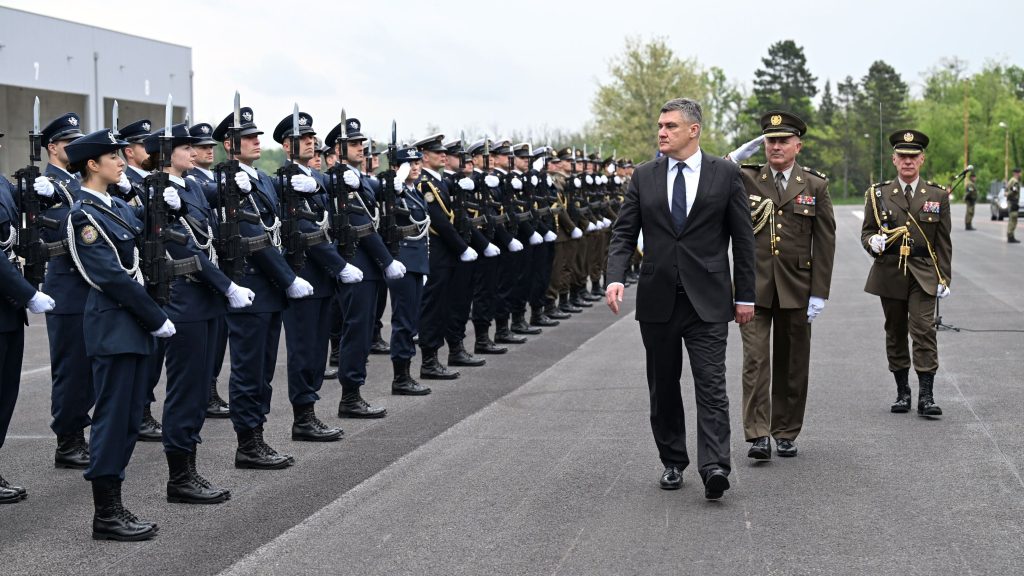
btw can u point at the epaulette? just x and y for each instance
(881, 184)
(752, 166)
(939, 186)
(815, 172)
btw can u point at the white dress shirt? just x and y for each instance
(785, 176)
(913, 185)
(101, 196)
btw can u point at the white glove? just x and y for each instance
(589, 179)
(942, 291)
(242, 179)
(398, 185)
(746, 150)
(123, 184)
(491, 251)
(877, 243)
(239, 296)
(536, 239)
(517, 184)
(576, 234)
(466, 184)
(515, 245)
(814, 307)
(469, 255)
(533, 180)
(550, 236)
(40, 303)
(617, 180)
(303, 183)
(576, 182)
(299, 288)
(403, 172)
(538, 164)
(395, 270)
(165, 331)
(607, 222)
(491, 180)
(350, 274)
(550, 181)
(43, 186)
(351, 180)
(171, 198)
(591, 227)
(604, 179)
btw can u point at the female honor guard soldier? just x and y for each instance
(120, 322)
(407, 291)
(15, 295)
(197, 308)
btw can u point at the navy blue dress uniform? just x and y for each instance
(307, 322)
(15, 293)
(255, 332)
(531, 256)
(72, 391)
(544, 254)
(509, 263)
(196, 306)
(203, 133)
(120, 317)
(407, 291)
(358, 301)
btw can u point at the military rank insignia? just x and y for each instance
(88, 234)
(805, 200)
(931, 207)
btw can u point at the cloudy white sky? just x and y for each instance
(499, 66)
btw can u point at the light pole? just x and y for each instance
(1006, 151)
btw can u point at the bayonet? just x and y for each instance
(114, 121)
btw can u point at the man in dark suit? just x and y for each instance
(689, 206)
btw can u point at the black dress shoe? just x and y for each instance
(716, 482)
(331, 372)
(520, 326)
(72, 451)
(507, 337)
(306, 427)
(785, 447)
(579, 302)
(554, 313)
(352, 405)
(486, 346)
(150, 431)
(10, 494)
(761, 449)
(460, 357)
(671, 478)
(542, 319)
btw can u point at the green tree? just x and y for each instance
(784, 82)
(882, 109)
(827, 108)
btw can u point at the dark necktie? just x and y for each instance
(909, 192)
(780, 182)
(679, 199)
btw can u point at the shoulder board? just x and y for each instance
(880, 184)
(815, 172)
(751, 166)
(933, 184)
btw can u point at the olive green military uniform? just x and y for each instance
(970, 199)
(565, 248)
(1013, 205)
(795, 239)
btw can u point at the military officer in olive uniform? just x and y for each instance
(970, 199)
(1013, 205)
(795, 240)
(907, 231)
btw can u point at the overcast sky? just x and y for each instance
(499, 66)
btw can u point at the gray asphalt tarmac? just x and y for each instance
(542, 463)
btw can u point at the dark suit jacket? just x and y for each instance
(699, 256)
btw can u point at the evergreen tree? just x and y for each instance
(784, 82)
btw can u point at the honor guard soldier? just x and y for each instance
(197, 306)
(569, 235)
(448, 247)
(16, 294)
(121, 320)
(358, 301)
(539, 201)
(907, 231)
(202, 173)
(255, 332)
(1013, 205)
(307, 322)
(970, 199)
(795, 243)
(72, 393)
(532, 255)
(511, 260)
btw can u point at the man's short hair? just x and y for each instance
(689, 108)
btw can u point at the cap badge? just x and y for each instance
(111, 136)
(303, 120)
(908, 137)
(353, 125)
(146, 126)
(204, 129)
(73, 121)
(776, 120)
(247, 116)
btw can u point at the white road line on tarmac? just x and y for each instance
(34, 371)
(858, 214)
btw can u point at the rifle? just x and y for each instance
(390, 230)
(157, 267)
(459, 215)
(508, 197)
(30, 245)
(232, 247)
(294, 208)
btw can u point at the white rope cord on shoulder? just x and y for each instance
(274, 229)
(8, 245)
(135, 272)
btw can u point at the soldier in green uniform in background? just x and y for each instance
(1013, 205)
(970, 199)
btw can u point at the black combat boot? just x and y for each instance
(403, 384)
(430, 369)
(577, 299)
(502, 334)
(332, 359)
(519, 325)
(566, 305)
(1012, 239)
(552, 311)
(378, 345)
(111, 520)
(150, 431)
(539, 318)
(595, 289)
(352, 405)
(269, 450)
(306, 427)
(184, 488)
(902, 403)
(72, 451)
(216, 407)
(252, 454)
(9, 494)
(199, 477)
(926, 405)
(459, 356)
(484, 344)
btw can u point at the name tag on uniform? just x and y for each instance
(931, 207)
(805, 200)
(755, 198)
